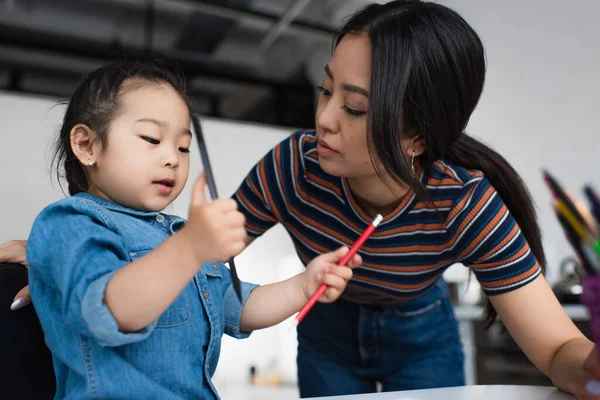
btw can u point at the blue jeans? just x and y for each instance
(345, 348)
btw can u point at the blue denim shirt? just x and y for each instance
(75, 247)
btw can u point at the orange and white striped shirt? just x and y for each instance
(468, 223)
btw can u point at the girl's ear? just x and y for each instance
(84, 144)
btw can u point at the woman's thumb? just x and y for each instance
(21, 299)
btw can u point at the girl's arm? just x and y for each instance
(140, 292)
(271, 304)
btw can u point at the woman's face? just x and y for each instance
(341, 119)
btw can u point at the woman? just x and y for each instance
(396, 97)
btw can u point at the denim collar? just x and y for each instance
(116, 207)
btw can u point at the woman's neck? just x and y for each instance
(374, 196)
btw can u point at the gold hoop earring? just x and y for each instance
(412, 163)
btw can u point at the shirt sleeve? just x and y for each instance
(259, 196)
(232, 306)
(72, 251)
(488, 240)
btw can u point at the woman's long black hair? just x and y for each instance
(427, 75)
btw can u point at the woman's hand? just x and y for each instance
(14, 252)
(587, 387)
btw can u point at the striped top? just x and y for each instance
(412, 246)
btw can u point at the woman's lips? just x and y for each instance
(324, 150)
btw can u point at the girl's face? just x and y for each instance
(145, 163)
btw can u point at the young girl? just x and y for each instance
(130, 303)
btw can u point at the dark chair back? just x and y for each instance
(26, 370)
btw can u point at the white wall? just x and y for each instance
(539, 109)
(541, 100)
(25, 181)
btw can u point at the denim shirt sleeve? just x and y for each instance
(73, 249)
(232, 306)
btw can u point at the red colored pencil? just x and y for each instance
(355, 247)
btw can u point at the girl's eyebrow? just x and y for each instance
(162, 124)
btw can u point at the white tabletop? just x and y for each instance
(465, 312)
(486, 392)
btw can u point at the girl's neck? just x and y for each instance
(94, 190)
(374, 196)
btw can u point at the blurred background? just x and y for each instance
(252, 67)
(251, 60)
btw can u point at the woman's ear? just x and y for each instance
(415, 145)
(84, 144)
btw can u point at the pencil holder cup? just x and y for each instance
(591, 298)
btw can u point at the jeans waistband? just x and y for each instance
(439, 291)
(346, 312)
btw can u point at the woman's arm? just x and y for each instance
(546, 334)
(270, 304)
(13, 252)
(490, 242)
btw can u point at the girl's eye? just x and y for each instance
(184, 150)
(150, 140)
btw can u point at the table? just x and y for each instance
(481, 392)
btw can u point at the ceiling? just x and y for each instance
(251, 60)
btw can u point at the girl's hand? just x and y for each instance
(215, 228)
(324, 269)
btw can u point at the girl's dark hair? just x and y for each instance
(427, 74)
(97, 101)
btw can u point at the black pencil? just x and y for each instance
(212, 188)
(594, 201)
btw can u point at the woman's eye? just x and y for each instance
(324, 92)
(150, 140)
(353, 112)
